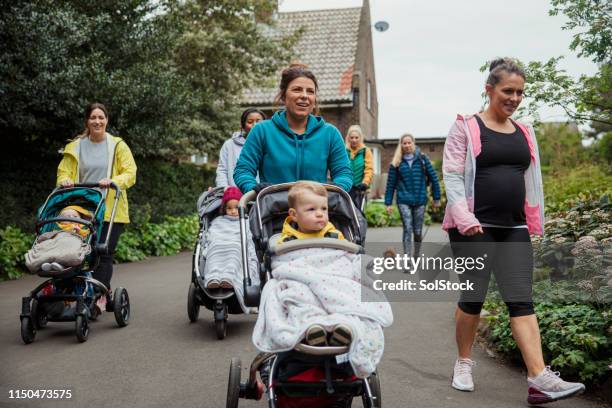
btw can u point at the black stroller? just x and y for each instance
(313, 377)
(70, 294)
(221, 301)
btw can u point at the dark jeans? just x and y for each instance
(509, 255)
(104, 271)
(412, 220)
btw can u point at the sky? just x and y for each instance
(427, 63)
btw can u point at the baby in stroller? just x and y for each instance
(217, 268)
(319, 342)
(63, 247)
(314, 295)
(308, 218)
(225, 229)
(66, 250)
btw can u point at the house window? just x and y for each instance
(369, 95)
(432, 147)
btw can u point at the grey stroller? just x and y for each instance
(305, 376)
(221, 301)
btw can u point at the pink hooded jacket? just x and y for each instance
(459, 171)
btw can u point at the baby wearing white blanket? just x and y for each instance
(319, 287)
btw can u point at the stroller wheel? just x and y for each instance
(82, 328)
(39, 315)
(121, 307)
(193, 307)
(221, 328)
(28, 331)
(233, 384)
(376, 394)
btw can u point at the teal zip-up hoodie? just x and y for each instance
(281, 156)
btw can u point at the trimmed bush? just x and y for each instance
(169, 237)
(13, 245)
(162, 188)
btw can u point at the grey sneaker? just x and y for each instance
(548, 387)
(462, 375)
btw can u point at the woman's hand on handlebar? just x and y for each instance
(105, 182)
(473, 231)
(67, 183)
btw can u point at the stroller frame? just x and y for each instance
(221, 301)
(31, 317)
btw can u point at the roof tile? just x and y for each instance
(328, 46)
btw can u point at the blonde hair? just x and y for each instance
(397, 156)
(356, 129)
(300, 187)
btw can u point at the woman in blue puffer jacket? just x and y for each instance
(410, 172)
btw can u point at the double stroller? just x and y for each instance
(70, 293)
(313, 377)
(221, 301)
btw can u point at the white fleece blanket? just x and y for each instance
(221, 247)
(321, 286)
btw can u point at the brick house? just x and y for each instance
(337, 46)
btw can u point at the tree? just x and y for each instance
(169, 71)
(560, 145)
(61, 55)
(586, 99)
(226, 46)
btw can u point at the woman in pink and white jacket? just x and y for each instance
(493, 185)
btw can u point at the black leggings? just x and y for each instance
(104, 271)
(509, 254)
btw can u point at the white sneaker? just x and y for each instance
(548, 387)
(462, 375)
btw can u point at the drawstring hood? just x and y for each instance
(314, 123)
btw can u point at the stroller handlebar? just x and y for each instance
(112, 185)
(246, 198)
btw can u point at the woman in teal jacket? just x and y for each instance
(295, 144)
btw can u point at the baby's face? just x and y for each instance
(69, 213)
(231, 208)
(310, 212)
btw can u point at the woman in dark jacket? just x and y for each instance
(410, 172)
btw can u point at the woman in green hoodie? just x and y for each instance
(295, 144)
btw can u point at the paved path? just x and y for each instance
(161, 360)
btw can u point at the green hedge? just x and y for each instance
(136, 243)
(161, 189)
(575, 337)
(13, 245)
(376, 215)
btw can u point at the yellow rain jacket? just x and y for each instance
(121, 170)
(290, 232)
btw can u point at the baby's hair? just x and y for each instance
(300, 187)
(507, 65)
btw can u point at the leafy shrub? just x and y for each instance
(162, 188)
(376, 215)
(136, 243)
(575, 337)
(13, 245)
(167, 238)
(563, 187)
